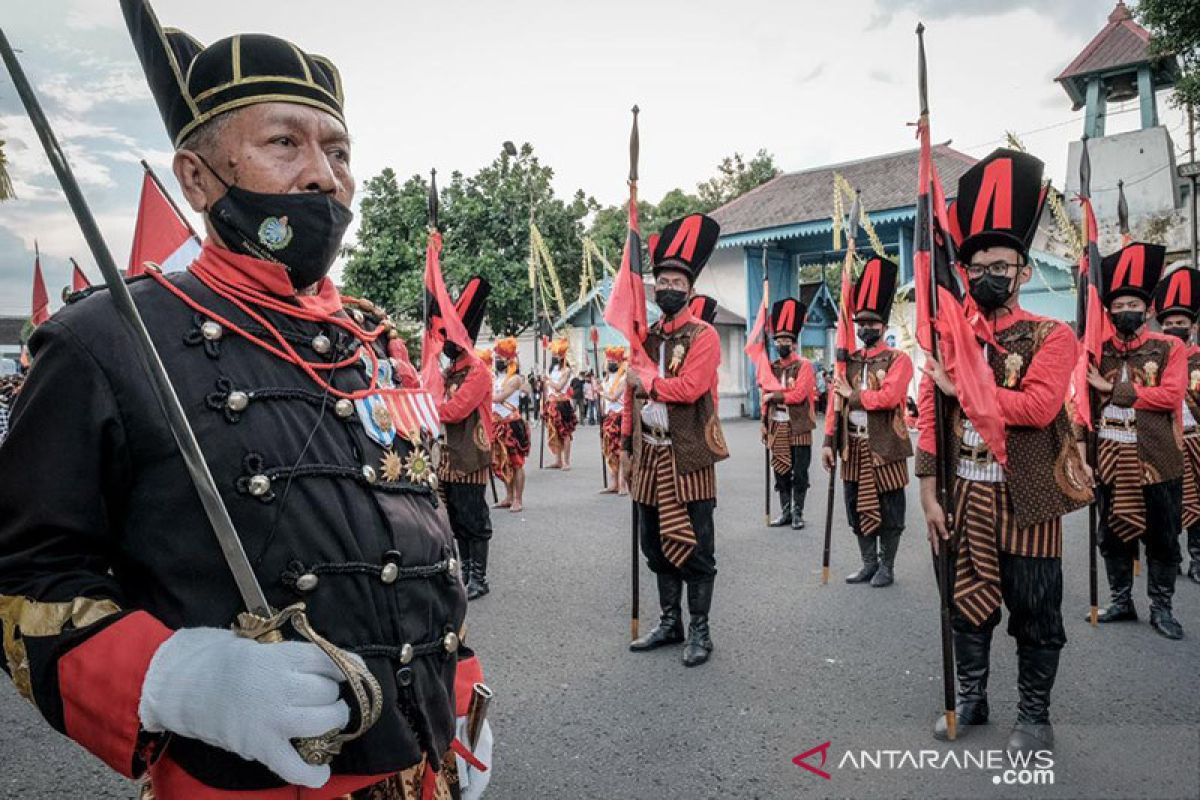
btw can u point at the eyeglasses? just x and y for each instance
(998, 269)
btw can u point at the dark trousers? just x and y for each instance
(797, 479)
(1032, 589)
(1164, 518)
(892, 507)
(467, 507)
(702, 566)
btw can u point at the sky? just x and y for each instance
(443, 84)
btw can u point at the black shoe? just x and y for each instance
(798, 496)
(888, 544)
(1163, 621)
(1030, 737)
(1120, 585)
(870, 558)
(883, 576)
(1037, 668)
(699, 643)
(1194, 571)
(669, 629)
(972, 657)
(785, 511)
(478, 586)
(1160, 585)
(797, 522)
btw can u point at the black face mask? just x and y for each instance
(502, 366)
(785, 350)
(671, 301)
(611, 368)
(452, 351)
(869, 336)
(1183, 334)
(991, 291)
(301, 231)
(1128, 322)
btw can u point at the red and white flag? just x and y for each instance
(161, 236)
(41, 300)
(79, 281)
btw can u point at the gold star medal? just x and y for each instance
(391, 467)
(1012, 370)
(419, 469)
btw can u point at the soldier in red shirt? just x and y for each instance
(1142, 381)
(1177, 304)
(674, 439)
(788, 415)
(874, 437)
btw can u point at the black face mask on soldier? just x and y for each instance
(1181, 333)
(991, 291)
(869, 336)
(302, 231)
(1128, 322)
(785, 350)
(611, 367)
(671, 301)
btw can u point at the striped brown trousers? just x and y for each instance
(657, 484)
(1120, 468)
(873, 480)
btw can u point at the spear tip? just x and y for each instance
(635, 109)
(920, 28)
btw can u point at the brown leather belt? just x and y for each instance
(976, 454)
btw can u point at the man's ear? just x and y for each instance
(1025, 273)
(193, 179)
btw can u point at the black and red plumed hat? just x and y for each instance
(703, 308)
(685, 245)
(471, 305)
(999, 203)
(1133, 270)
(1178, 292)
(787, 317)
(875, 290)
(192, 83)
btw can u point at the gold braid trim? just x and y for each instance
(21, 617)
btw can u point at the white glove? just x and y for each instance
(472, 782)
(248, 698)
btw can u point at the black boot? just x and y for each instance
(699, 643)
(785, 511)
(972, 655)
(870, 559)
(1193, 539)
(888, 544)
(1160, 585)
(478, 586)
(798, 496)
(464, 560)
(669, 629)
(1036, 669)
(1120, 584)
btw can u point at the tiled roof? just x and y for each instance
(886, 182)
(1122, 41)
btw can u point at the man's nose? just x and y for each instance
(317, 174)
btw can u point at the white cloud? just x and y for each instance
(87, 15)
(76, 96)
(58, 235)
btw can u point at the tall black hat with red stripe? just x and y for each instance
(787, 317)
(685, 245)
(1178, 292)
(999, 203)
(875, 290)
(472, 305)
(1133, 270)
(703, 308)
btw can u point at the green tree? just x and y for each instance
(736, 176)
(1174, 27)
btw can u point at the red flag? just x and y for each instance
(444, 322)
(161, 235)
(626, 308)
(756, 345)
(79, 281)
(594, 335)
(1096, 326)
(959, 351)
(41, 300)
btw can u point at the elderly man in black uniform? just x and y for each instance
(115, 601)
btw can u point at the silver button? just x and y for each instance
(450, 642)
(389, 573)
(306, 582)
(368, 472)
(260, 485)
(452, 566)
(343, 408)
(321, 343)
(406, 653)
(211, 331)
(358, 316)
(237, 401)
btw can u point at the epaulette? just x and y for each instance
(75, 297)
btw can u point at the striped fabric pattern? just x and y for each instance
(695, 486)
(1120, 468)
(977, 569)
(779, 439)
(862, 470)
(655, 485)
(445, 473)
(1191, 480)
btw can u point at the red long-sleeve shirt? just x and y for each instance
(1042, 392)
(475, 391)
(891, 391)
(697, 375)
(1172, 385)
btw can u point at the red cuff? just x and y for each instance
(101, 686)
(469, 673)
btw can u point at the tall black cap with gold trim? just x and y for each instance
(192, 83)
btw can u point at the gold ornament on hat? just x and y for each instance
(1151, 371)
(1012, 370)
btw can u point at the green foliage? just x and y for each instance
(736, 176)
(1174, 27)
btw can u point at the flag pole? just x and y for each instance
(766, 422)
(1085, 287)
(163, 190)
(635, 260)
(943, 461)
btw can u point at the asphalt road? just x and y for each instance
(796, 665)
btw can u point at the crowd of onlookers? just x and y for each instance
(10, 383)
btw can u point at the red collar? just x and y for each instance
(1005, 321)
(791, 358)
(1124, 346)
(247, 272)
(678, 321)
